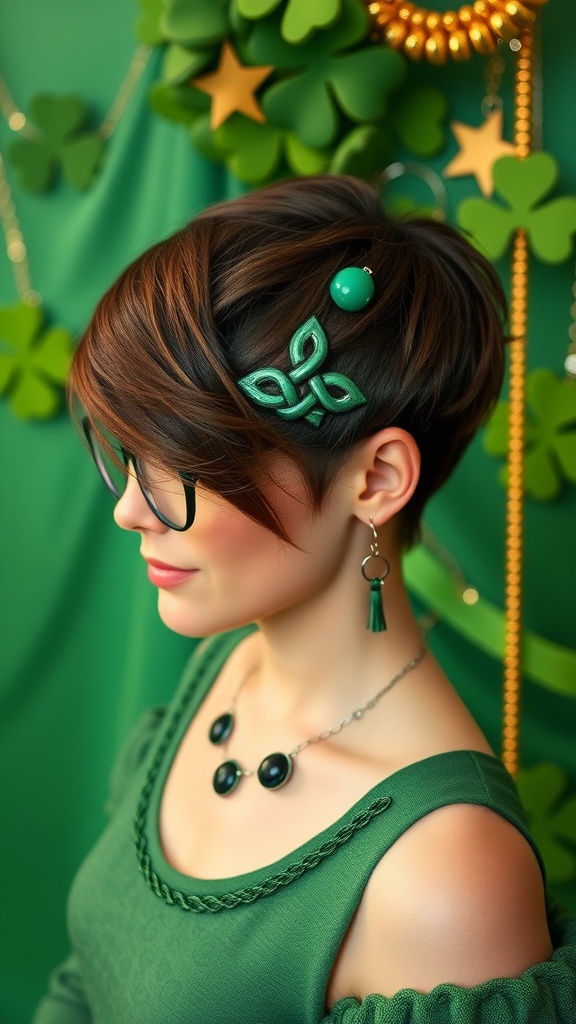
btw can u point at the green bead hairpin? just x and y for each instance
(351, 289)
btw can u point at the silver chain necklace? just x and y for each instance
(275, 770)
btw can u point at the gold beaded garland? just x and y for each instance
(437, 36)
(519, 282)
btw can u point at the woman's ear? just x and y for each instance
(386, 470)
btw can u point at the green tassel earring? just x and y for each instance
(376, 620)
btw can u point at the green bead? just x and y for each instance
(352, 289)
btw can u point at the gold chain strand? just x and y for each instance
(517, 403)
(14, 118)
(18, 122)
(137, 68)
(15, 245)
(492, 101)
(436, 35)
(570, 361)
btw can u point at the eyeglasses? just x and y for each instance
(170, 496)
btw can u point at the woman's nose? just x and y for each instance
(132, 511)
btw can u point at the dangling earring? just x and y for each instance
(376, 621)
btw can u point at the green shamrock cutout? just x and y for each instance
(326, 79)
(148, 28)
(363, 151)
(180, 63)
(178, 103)
(62, 142)
(550, 438)
(195, 21)
(33, 362)
(552, 819)
(418, 118)
(254, 152)
(301, 17)
(523, 184)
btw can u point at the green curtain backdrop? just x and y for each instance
(82, 649)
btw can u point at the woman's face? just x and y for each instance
(226, 570)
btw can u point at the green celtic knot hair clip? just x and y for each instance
(351, 289)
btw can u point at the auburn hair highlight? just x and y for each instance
(159, 363)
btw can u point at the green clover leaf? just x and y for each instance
(327, 76)
(301, 17)
(418, 118)
(550, 435)
(251, 150)
(181, 63)
(552, 819)
(195, 21)
(33, 362)
(363, 151)
(523, 184)
(62, 142)
(254, 152)
(178, 102)
(303, 160)
(148, 27)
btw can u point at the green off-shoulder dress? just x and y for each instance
(153, 946)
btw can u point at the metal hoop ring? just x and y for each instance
(428, 176)
(371, 579)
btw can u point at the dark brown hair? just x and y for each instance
(160, 360)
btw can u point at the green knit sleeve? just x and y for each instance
(65, 1001)
(544, 994)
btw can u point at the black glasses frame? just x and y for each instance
(188, 481)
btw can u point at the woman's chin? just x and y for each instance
(183, 618)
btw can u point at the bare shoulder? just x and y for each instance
(458, 898)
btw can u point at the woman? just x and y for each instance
(272, 395)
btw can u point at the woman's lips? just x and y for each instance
(163, 575)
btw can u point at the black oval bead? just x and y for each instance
(226, 778)
(221, 728)
(275, 770)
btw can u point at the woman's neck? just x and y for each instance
(320, 654)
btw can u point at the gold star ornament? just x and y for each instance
(232, 87)
(479, 150)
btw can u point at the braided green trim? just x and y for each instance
(199, 904)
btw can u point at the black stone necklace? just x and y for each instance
(275, 770)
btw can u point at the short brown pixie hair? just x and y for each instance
(159, 363)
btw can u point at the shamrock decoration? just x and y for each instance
(552, 819)
(324, 79)
(253, 151)
(148, 27)
(195, 21)
(417, 117)
(523, 184)
(301, 17)
(550, 435)
(364, 149)
(187, 22)
(33, 362)
(62, 142)
(324, 105)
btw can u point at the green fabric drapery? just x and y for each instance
(82, 648)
